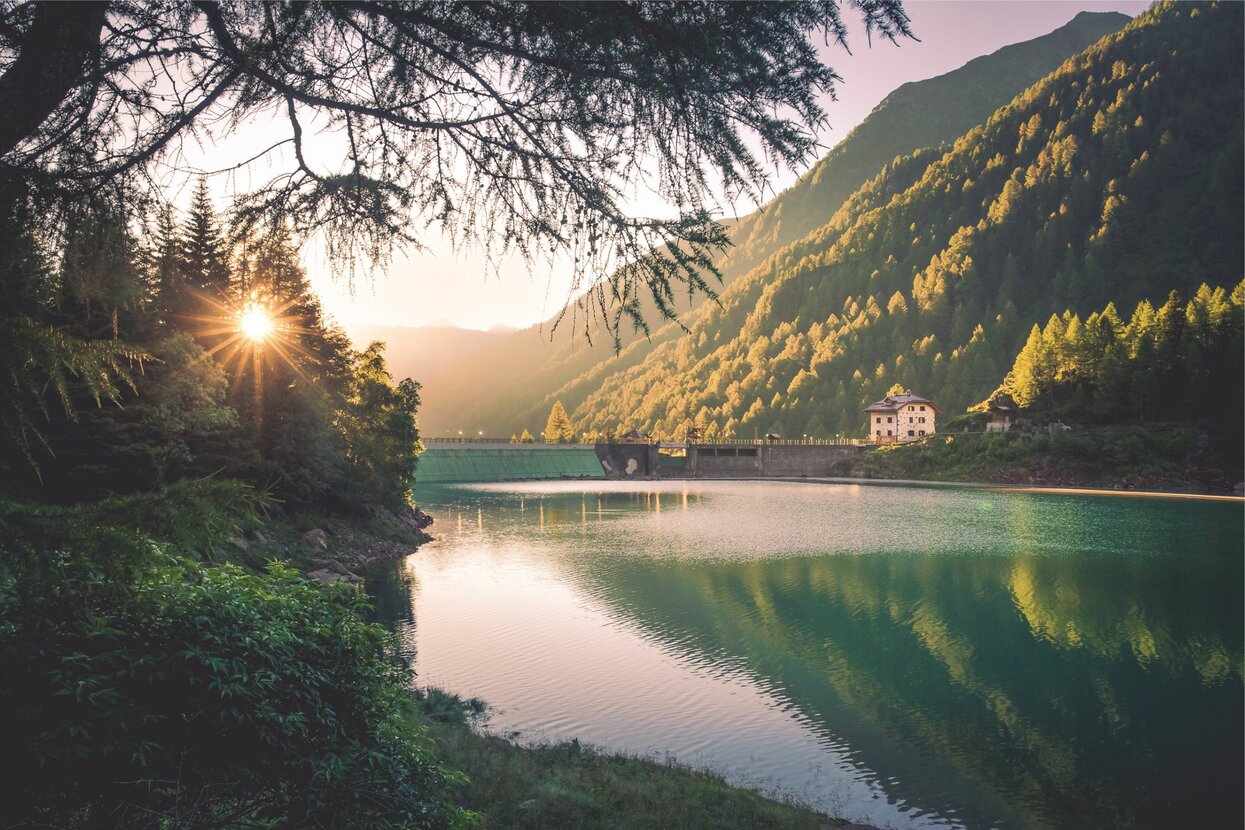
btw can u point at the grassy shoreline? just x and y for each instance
(1127, 458)
(570, 784)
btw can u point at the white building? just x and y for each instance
(900, 418)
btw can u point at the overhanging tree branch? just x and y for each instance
(513, 126)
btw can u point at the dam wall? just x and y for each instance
(448, 461)
(793, 460)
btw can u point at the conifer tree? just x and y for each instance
(1025, 380)
(162, 263)
(204, 265)
(558, 429)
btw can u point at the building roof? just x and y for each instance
(893, 403)
(1003, 402)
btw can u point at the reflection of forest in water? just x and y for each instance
(1074, 690)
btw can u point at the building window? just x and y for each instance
(922, 419)
(911, 434)
(922, 409)
(879, 420)
(888, 432)
(888, 420)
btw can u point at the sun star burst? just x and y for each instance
(255, 323)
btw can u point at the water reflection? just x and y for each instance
(941, 658)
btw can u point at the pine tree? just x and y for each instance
(558, 429)
(204, 267)
(1025, 380)
(162, 264)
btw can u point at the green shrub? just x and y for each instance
(150, 691)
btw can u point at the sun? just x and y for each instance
(255, 323)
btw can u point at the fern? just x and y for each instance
(41, 365)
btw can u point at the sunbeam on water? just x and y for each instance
(914, 657)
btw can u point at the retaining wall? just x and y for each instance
(440, 464)
(771, 460)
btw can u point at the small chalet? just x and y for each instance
(900, 418)
(1003, 413)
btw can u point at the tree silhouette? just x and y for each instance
(519, 125)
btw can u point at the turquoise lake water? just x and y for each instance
(914, 657)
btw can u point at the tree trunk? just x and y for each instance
(55, 56)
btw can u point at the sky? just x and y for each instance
(439, 285)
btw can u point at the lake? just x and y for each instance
(913, 657)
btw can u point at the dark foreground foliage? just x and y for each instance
(146, 689)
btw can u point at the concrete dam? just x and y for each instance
(447, 461)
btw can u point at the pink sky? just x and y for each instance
(441, 285)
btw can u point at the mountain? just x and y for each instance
(420, 351)
(1114, 179)
(917, 114)
(512, 383)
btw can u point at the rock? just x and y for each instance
(317, 539)
(330, 578)
(259, 537)
(327, 577)
(238, 542)
(422, 519)
(410, 516)
(528, 806)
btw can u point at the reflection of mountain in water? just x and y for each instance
(1060, 691)
(964, 647)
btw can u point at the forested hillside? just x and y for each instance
(917, 114)
(1115, 179)
(1171, 363)
(512, 383)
